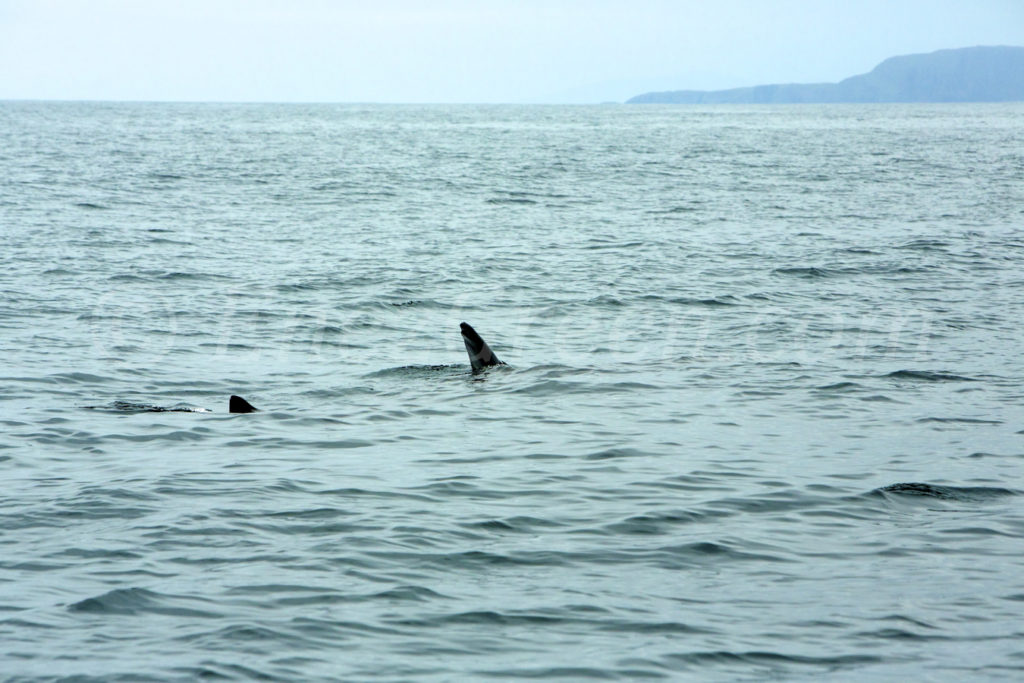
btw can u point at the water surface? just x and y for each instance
(762, 416)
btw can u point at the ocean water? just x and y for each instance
(762, 416)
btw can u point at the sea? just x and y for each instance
(761, 415)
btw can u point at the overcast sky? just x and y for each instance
(464, 50)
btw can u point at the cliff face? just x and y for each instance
(972, 74)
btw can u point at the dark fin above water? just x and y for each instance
(237, 404)
(480, 354)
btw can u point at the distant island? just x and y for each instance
(971, 74)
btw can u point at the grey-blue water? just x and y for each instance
(762, 415)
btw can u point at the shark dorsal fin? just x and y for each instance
(480, 354)
(237, 404)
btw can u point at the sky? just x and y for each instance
(474, 51)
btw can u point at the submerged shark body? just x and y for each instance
(480, 354)
(236, 404)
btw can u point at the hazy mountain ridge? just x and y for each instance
(972, 74)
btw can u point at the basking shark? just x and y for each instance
(480, 354)
(480, 357)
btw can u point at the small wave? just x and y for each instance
(472, 560)
(613, 453)
(297, 287)
(486, 617)
(674, 210)
(814, 272)
(964, 420)
(94, 317)
(182, 276)
(554, 387)
(408, 593)
(924, 245)
(682, 556)
(652, 524)
(840, 386)
(510, 200)
(518, 524)
(90, 205)
(418, 371)
(285, 443)
(711, 302)
(164, 240)
(700, 553)
(446, 490)
(899, 634)
(287, 594)
(958, 493)
(804, 272)
(245, 633)
(220, 346)
(129, 601)
(80, 378)
(605, 300)
(569, 673)
(771, 660)
(926, 376)
(211, 671)
(619, 245)
(418, 303)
